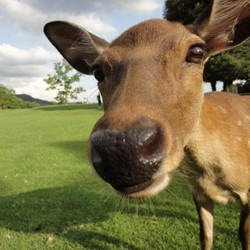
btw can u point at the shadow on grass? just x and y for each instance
(65, 212)
(92, 239)
(76, 213)
(76, 148)
(53, 210)
(69, 107)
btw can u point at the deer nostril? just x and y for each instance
(152, 143)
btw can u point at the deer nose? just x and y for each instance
(128, 159)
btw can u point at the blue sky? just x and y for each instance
(26, 56)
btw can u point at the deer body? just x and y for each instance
(157, 118)
(209, 162)
(221, 137)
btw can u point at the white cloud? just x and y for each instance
(37, 55)
(22, 15)
(89, 21)
(18, 62)
(32, 16)
(33, 86)
(145, 6)
(81, 6)
(24, 70)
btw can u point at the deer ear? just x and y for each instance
(78, 46)
(224, 24)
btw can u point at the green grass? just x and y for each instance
(51, 198)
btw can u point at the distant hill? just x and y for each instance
(28, 98)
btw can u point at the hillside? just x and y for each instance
(28, 98)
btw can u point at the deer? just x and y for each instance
(157, 118)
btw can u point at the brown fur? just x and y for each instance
(224, 121)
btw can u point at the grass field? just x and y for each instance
(51, 198)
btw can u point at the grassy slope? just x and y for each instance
(50, 197)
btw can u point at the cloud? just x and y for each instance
(24, 70)
(36, 55)
(89, 21)
(140, 6)
(80, 6)
(21, 14)
(31, 15)
(18, 62)
(33, 86)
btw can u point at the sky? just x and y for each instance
(27, 57)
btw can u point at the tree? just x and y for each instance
(184, 11)
(227, 66)
(8, 98)
(62, 81)
(244, 88)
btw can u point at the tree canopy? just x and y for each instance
(62, 81)
(226, 66)
(229, 66)
(184, 11)
(8, 100)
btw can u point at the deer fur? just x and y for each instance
(147, 74)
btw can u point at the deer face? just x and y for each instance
(150, 79)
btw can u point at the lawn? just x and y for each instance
(51, 198)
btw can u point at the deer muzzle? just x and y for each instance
(128, 159)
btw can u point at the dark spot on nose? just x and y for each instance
(128, 159)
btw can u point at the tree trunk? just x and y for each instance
(226, 85)
(213, 86)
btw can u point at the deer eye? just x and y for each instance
(195, 54)
(98, 73)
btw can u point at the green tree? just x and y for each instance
(227, 66)
(244, 88)
(62, 81)
(8, 98)
(184, 11)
